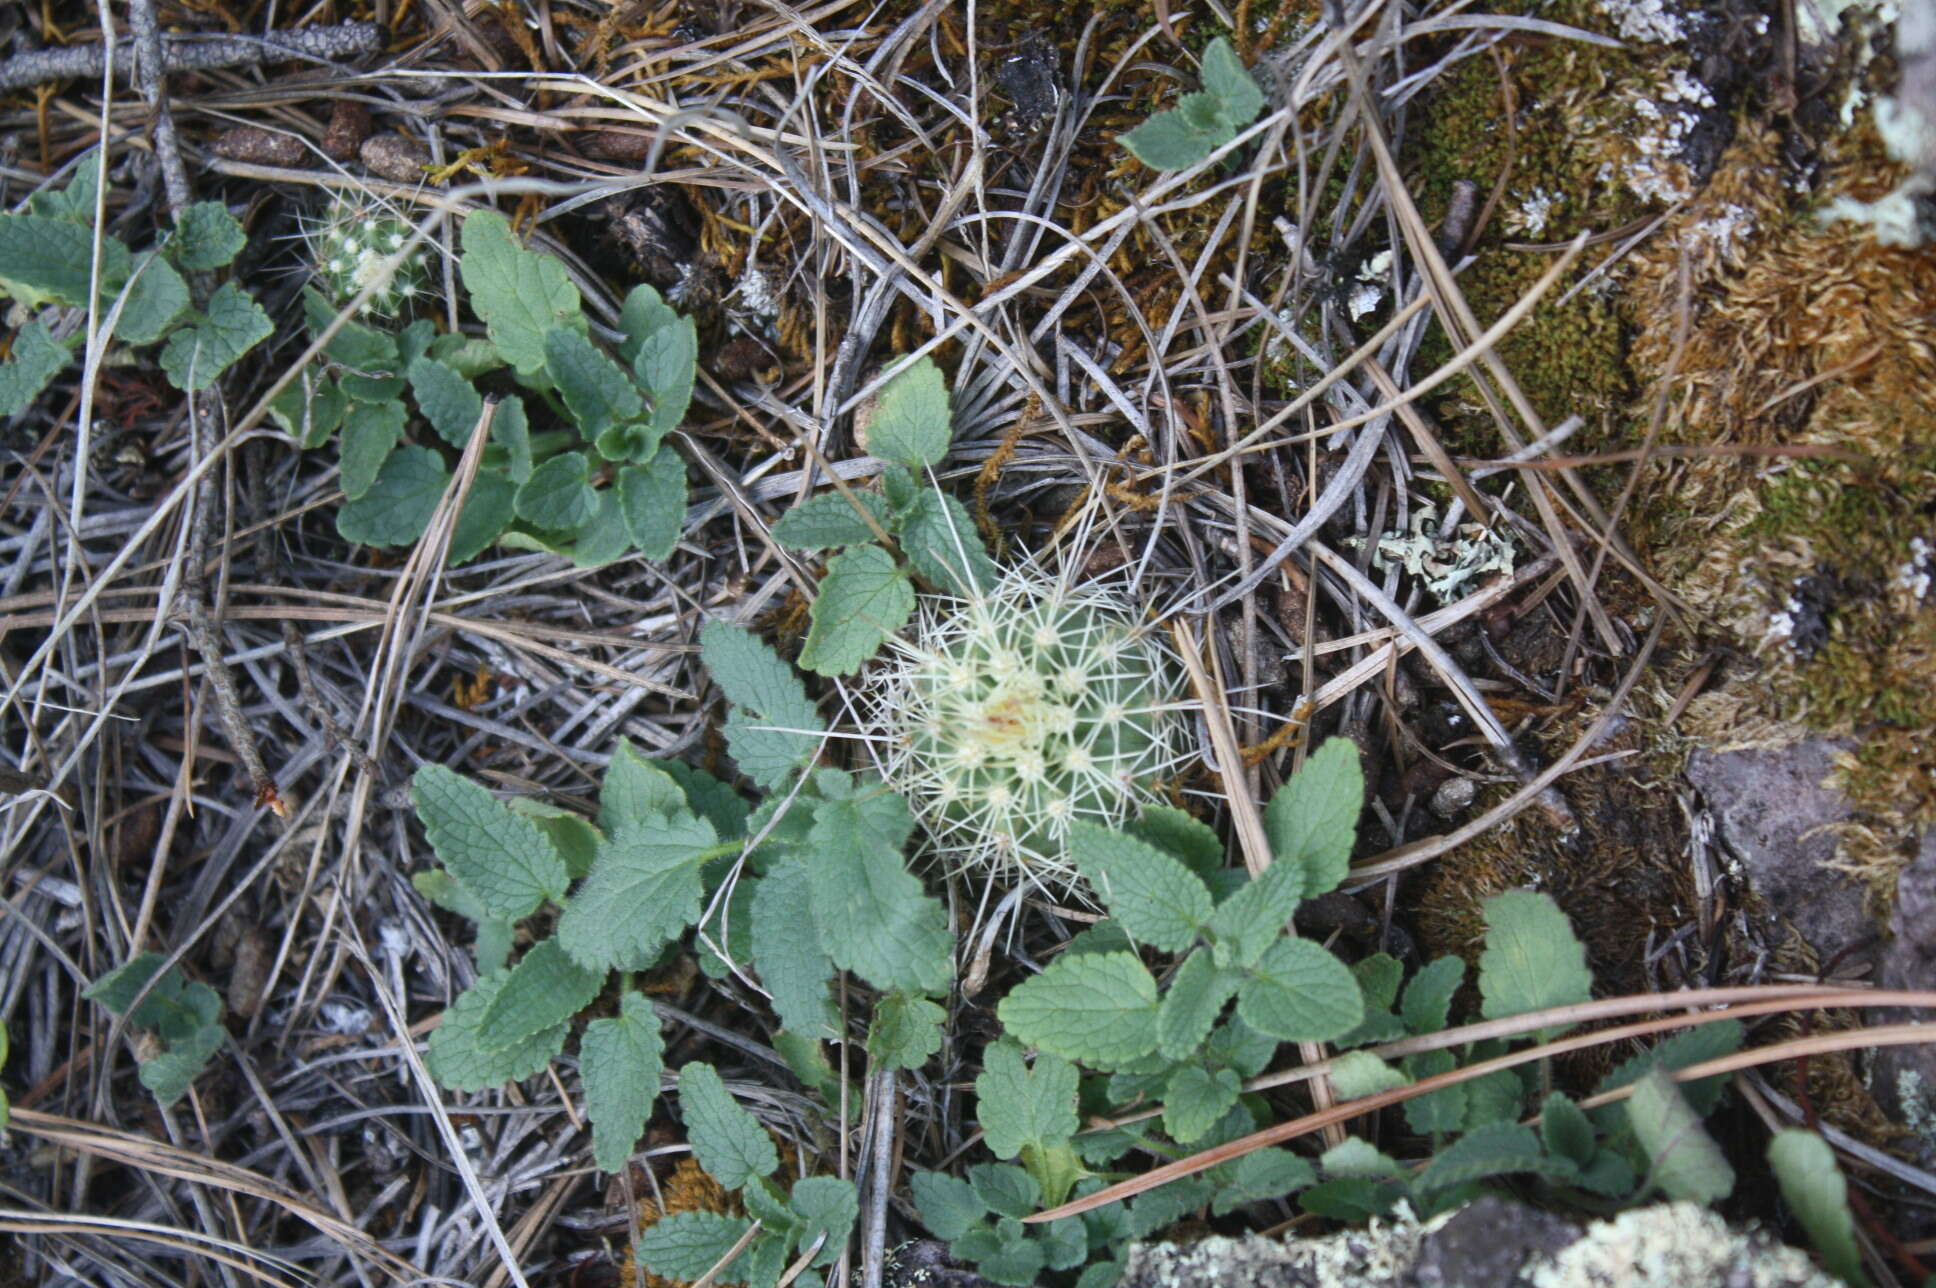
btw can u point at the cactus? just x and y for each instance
(355, 247)
(1005, 716)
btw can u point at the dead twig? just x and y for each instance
(189, 53)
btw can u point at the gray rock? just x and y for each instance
(1772, 812)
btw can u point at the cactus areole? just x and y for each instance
(1005, 716)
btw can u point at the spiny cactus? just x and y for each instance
(1005, 716)
(353, 248)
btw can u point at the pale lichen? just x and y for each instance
(1673, 1244)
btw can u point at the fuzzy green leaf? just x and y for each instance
(558, 496)
(447, 400)
(1252, 919)
(1300, 993)
(774, 728)
(1427, 1000)
(207, 236)
(167, 1006)
(1225, 79)
(1098, 1009)
(1503, 1149)
(371, 432)
(1355, 1156)
(643, 312)
(1610, 1174)
(156, 296)
(941, 542)
(873, 917)
(396, 508)
(828, 520)
(1191, 1006)
(824, 1205)
(1687, 1164)
(37, 358)
(1805, 1168)
(542, 991)
(511, 430)
(1313, 820)
(729, 1142)
(605, 536)
(76, 200)
(1440, 1112)
(464, 1057)
(1495, 1098)
(1566, 1130)
(621, 1059)
(311, 407)
(711, 799)
(1155, 898)
(1181, 137)
(44, 258)
(521, 296)
(196, 355)
(1236, 1044)
(497, 855)
(487, 511)
(654, 497)
(1008, 1191)
(905, 1031)
(1356, 1074)
(644, 889)
(1018, 1106)
(1195, 1098)
(1379, 976)
(577, 840)
(911, 423)
(169, 1075)
(1532, 960)
(1698, 1045)
(666, 363)
(863, 599)
(686, 1245)
(1260, 1176)
(949, 1206)
(787, 952)
(596, 390)
(636, 791)
(1181, 836)
(1017, 1263)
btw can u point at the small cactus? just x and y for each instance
(1005, 716)
(356, 247)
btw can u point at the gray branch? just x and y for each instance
(194, 54)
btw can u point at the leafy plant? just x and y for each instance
(1815, 1188)
(1017, 705)
(1153, 1018)
(576, 463)
(46, 265)
(185, 1019)
(643, 874)
(815, 1214)
(1203, 121)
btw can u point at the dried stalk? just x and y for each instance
(133, 58)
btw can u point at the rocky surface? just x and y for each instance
(1491, 1242)
(1774, 813)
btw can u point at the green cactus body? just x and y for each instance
(357, 248)
(1005, 717)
